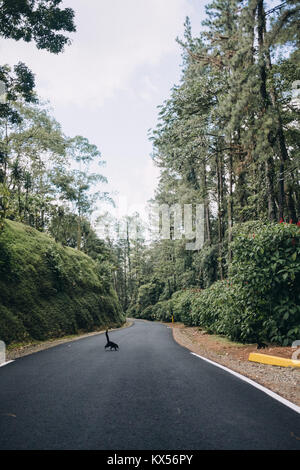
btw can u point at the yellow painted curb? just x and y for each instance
(273, 360)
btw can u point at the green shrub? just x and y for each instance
(182, 306)
(261, 299)
(206, 264)
(132, 311)
(266, 271)
(148, 294)
(147, 313)
(208, 306)
(163, 310)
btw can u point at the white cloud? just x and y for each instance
(120, 46)
(148, 89)
(113, 39)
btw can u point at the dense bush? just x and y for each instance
(182, 306)
(163, 310)
(266, 273)
(206, 264)
(260, 301)
(47, 291)
(147, 298)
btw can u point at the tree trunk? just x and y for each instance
(206, 206)
(220, 212)
(261, 27)
(285, 197)
(79, 232)
(230, 209)
(270, 189)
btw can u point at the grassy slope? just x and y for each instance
(47, 291)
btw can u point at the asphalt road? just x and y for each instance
(152, 394)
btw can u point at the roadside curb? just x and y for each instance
(273, 360)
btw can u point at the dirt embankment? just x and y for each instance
(285, 381)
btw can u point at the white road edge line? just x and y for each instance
(255, 384)
(5, 363)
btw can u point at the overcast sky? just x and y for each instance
(107, 85)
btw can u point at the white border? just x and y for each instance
(5, 363)
(255, 384)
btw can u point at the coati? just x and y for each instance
(110, 344)
(261, 345)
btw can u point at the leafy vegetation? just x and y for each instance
(260, 300)
(228, 138)
(47, 290)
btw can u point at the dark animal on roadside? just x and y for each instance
(261, 345)
(110, 344)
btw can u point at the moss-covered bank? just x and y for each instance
(47, 291)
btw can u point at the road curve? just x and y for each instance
(152, 394)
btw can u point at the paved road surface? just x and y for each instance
(151, 394)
